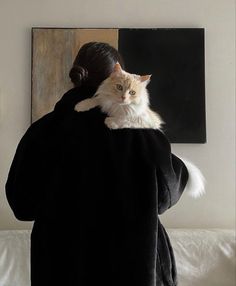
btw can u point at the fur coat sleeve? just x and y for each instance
(172, 174)
(29, 171)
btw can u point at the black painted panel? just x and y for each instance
(175, 58)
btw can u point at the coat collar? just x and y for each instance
(71, 97)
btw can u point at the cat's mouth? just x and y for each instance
(124, 102)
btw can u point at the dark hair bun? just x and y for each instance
(78, 75)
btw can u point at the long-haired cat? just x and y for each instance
(124, 98)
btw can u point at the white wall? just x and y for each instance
(216, 158)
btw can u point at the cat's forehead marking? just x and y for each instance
(132, 82)
(128, 80)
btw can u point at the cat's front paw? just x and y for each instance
(110, 123)
(82, 105)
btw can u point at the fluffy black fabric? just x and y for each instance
(94, 195)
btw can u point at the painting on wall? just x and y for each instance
(174, 57)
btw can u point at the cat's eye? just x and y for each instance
(119, 87)
(132, 92)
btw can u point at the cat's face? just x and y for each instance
(125, 88)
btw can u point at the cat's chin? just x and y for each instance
(124, 103)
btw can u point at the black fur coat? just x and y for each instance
(95, 196)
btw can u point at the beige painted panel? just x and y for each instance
(53, 53)
(83, 36)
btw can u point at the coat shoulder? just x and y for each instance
(39, 129)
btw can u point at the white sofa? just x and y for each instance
(203, 257)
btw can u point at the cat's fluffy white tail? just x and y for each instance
(195, 187)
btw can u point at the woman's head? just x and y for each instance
(94, 63)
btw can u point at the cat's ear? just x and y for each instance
(117, 68)
(145, 78)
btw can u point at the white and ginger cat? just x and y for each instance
(124, 98)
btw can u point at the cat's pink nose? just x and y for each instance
(123, 97)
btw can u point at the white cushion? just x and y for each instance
(203, 257)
